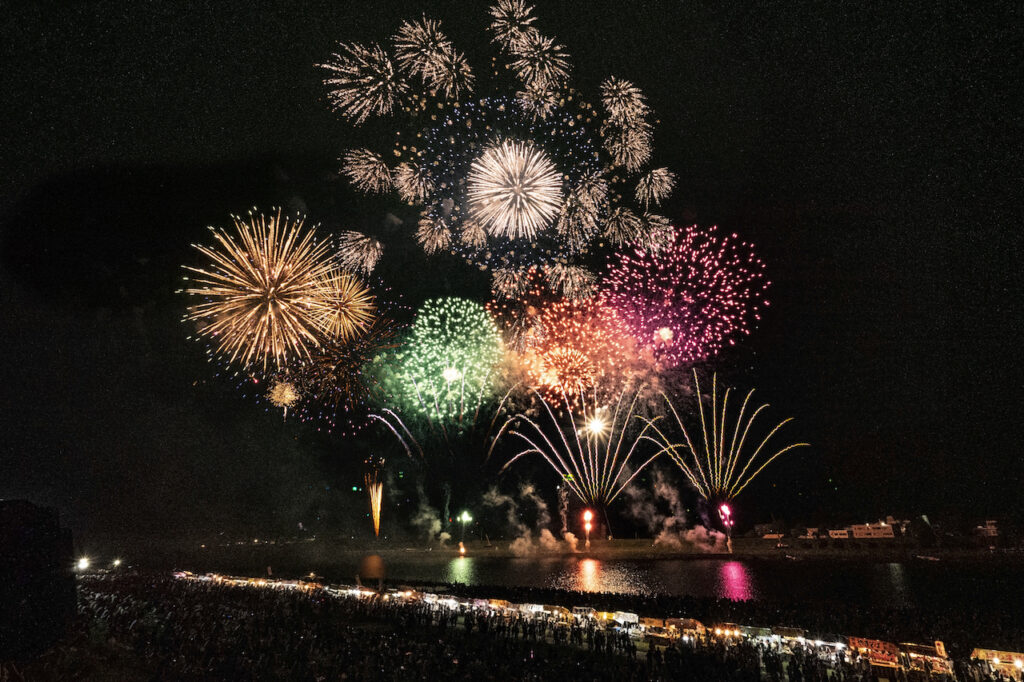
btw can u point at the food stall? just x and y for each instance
(926, 658)
(880, 654)
(1001, 662)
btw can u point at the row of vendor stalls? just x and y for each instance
(927, 659)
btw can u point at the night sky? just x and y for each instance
(871, 152)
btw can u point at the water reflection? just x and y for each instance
(589, 569)
(734, 582)
(594, 575)
(461, 570)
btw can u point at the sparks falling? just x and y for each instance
(597, 452)
(715, 463)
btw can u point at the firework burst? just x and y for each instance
(655, 187)
(520, 177)
(263, 294)
(351, 307)
(688, 299)
(358, 252)
(514, 190)
(716, 464)
(283, 394)
(366, 170)
(511, 19)
(449, 367)
(577, 348)
(363, 82)
(339, 381)
(595, 451)
(540, 62)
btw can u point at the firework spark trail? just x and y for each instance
(264, 296)
(593, 459)
(712, 467)
(375, 490)
(686, 300)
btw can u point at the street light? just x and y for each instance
(465, 518)
(83, 563)
(116, 562)
(588, 516)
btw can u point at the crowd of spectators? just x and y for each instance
(959, 626)
(173, 629)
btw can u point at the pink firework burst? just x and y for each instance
(685, 301)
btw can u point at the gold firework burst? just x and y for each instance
(262, 290)
(350, 309)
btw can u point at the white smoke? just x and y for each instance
(427, 520)
(523, 541)
(670, 530)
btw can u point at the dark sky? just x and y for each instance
(871, 151)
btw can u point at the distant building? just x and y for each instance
(838, 533)
(37, 587)
(989, 530)
(762, 529)
(880, 530)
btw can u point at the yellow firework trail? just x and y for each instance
(716, 465)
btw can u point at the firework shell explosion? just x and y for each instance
(577, 349)
(266, 292)
(684, 302)
(449, 365)
(517, 172)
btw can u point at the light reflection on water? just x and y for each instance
(854, 583)
(593, 575)
(461, 570)
(734, 581)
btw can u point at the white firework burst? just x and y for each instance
(419, 46)
(537, 101)
(622, 226)
(366, 170)
(574, 282)
(509, 282)
(413, 182)
(363, 82)
(358, 252)
(433, 235)
(623, 101)
(658, 232)
(539, 62)
(451, 74)
(655, 186)
(511, 19)
(629, 147)
(578, 220)
(513, 190)
(473, 235)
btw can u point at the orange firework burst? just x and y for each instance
(577, 347)
(263, 290)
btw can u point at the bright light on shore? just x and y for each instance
(83, 563)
